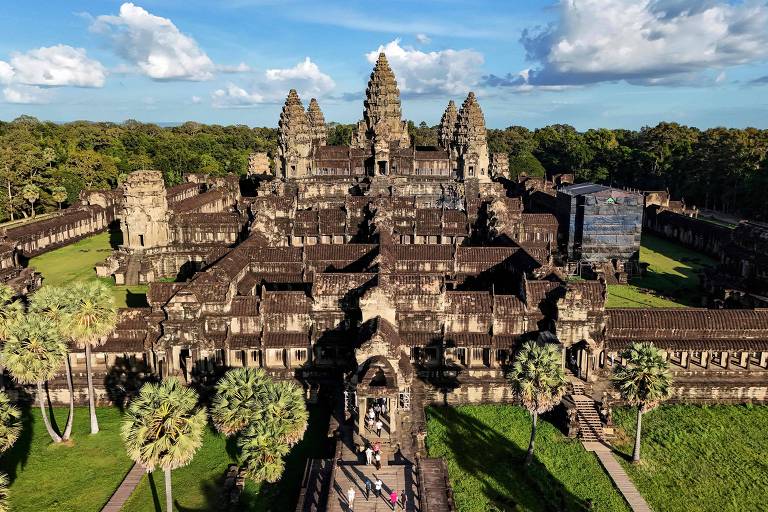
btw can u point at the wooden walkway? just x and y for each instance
(620, 478)
(125, 490)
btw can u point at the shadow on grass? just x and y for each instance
(15, 460)
(497, 463)
(153, 490)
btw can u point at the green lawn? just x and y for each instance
(484, 446)
(77, 261)
(79, 477)
(671, 279)
(699, 458)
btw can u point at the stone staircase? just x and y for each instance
(396, 477)
(590, 426)
(132, 270)
(313, 496)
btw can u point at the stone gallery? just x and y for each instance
(399, 275)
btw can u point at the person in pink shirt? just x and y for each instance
(393, 499)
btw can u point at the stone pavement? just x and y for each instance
(620, 478)
(125, 490)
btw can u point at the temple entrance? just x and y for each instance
(577, 359)
(382, 167)
(377, 399)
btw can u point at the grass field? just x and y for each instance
(699, 458)
(671, 279)
(484, 446)
(81, 476)
(77, 261)
(75, 477)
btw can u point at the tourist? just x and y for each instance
(393, 499)
(377, 458)
(377, 446)
(377, 486)
(383, 407)
(377, 408)
(368, 486)
(403, 499)
(368, 455)
(350, 498)
(369, 424)
(379, 426)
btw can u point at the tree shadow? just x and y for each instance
(153, 490)
(15, 460)
(124, 380)
(497, 463)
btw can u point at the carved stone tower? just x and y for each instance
(472, 142)
(294, 138)
(318, 131)
(382, 126)
(446, 132)
(144, 216)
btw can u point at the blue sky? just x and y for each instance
(590, 63)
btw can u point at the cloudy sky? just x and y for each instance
(590, 63)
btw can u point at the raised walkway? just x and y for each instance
(125, 490)
(620, 478)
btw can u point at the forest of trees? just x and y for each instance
(44, 165)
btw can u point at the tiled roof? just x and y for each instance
(507, 304)
(245, 306)
(160, 293)
(539, 219)
(338, 283)
(242, 341)
(417, 284)
(338, 252)
(490, 255)
(196, 202)
(463, 303)
(285, 340)
(286, 302)
(687, 324)
(428, 252)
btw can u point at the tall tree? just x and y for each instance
(59, 194)
(52, 303)
(164, 428)
(31, 193)
(538, 381)
(34, 351)
(643, 380)
(91, 317)
(269, 417)
(10, 423)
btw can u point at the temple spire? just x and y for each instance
(294, 137)
(446, 132)
(317, 129)
(471, 140)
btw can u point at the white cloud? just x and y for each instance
(6, 72)
(425, 73)
(240, 68)
(155, 45)
(645, 41)
(196, 100)
(59, 65)
(423, 38)
(274, 85)
(26, 94)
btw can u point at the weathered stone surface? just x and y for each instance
(294, 138)
(382, 125)
(446, 132)
(500, 165)
(317, 129)
(144, 215)
(472, 142)
(258, 163)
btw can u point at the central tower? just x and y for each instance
(382, 127)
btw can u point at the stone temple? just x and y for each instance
(381, 271)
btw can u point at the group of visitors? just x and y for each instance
(374, 416)
(377, 485)
(373, 455)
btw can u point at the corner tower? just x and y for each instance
(472, 142)
(294, 138)
(144, 215)
(317, 130)
(446, 132)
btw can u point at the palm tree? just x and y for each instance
(164, 427)
(92, 316)
(10, 423)
(538, 381)
(59, 194)
(643, 380)
(31, 193)
(239, 398)
(263, 450)
(10, 309)
(269, 416)
(34, 351)
(52, 303)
